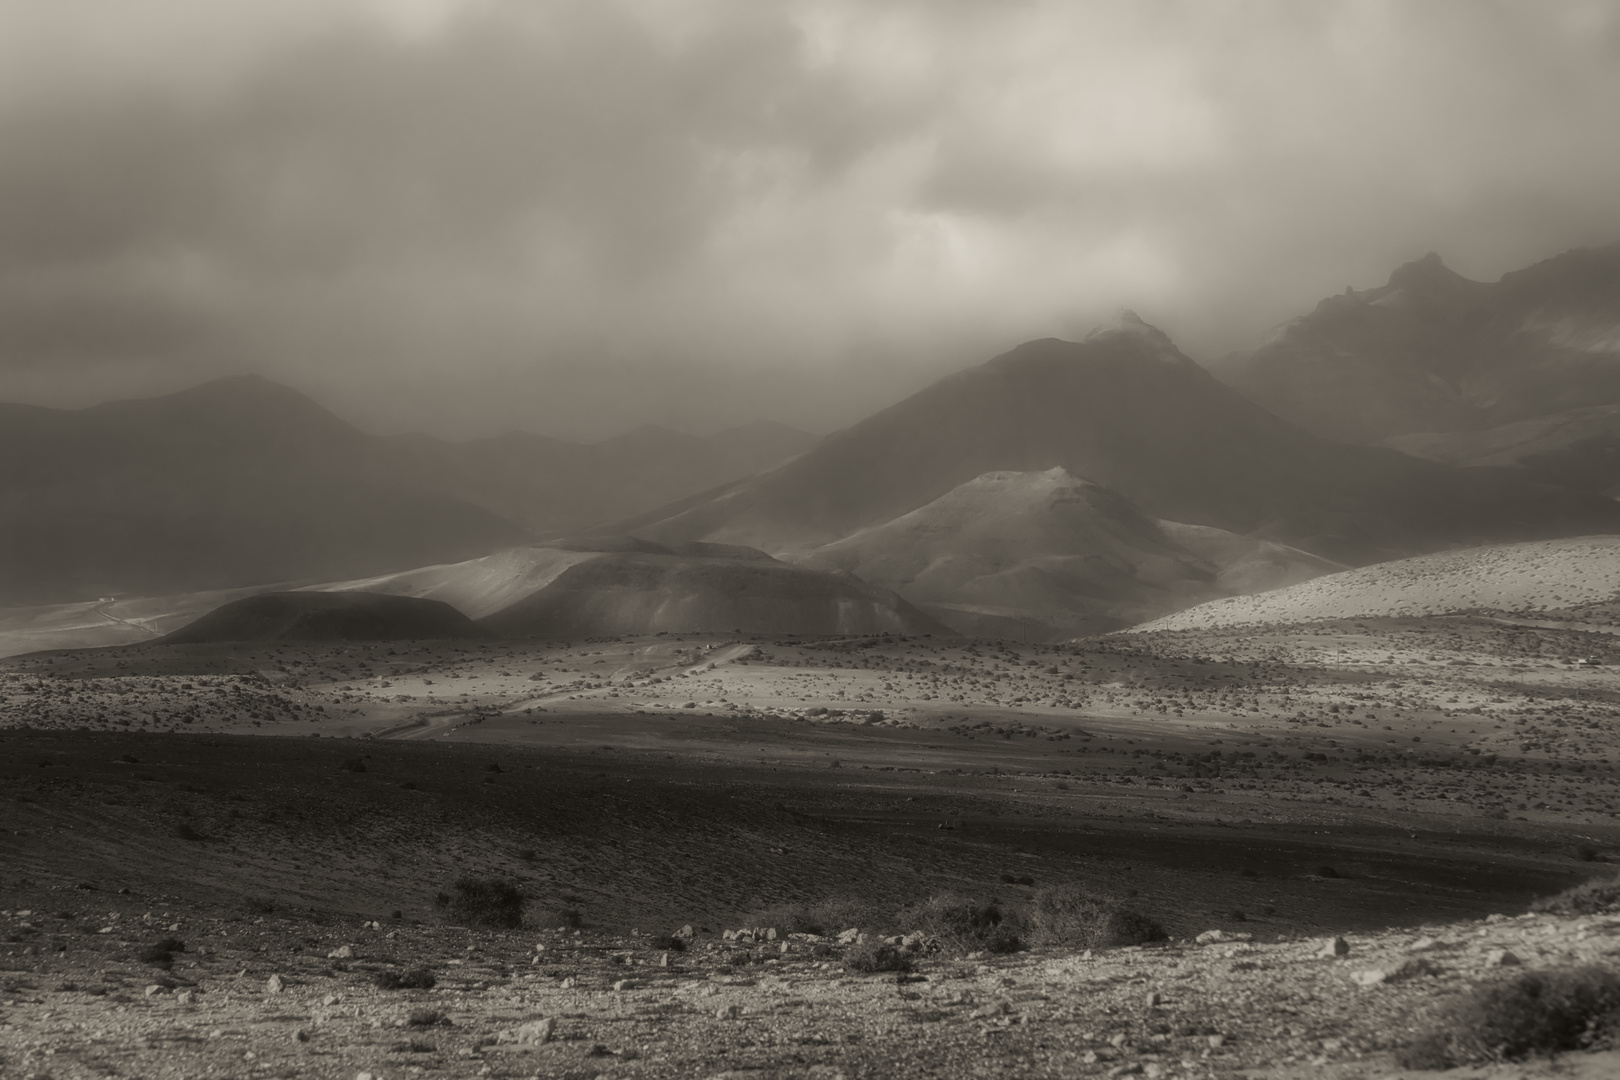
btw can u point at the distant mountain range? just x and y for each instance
(1125, 409)
(242, 481)
(1522, 372)
(1061, 488)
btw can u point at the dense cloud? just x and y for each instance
(577, 215)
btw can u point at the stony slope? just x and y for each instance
(1067, 554)
(1125, 409)
(1524, 578)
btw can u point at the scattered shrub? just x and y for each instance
(1539, 1012)
(960, 924)
(1070, 915)
(669, 942)
(259, 905)
(161, 953)
(353, 764)
(185, 832)
(557, 918)
(1589, 898)
(427, 1018)
(1326, 871)
(824, 917)
(412, 979)
(486, 902)
(871, 957)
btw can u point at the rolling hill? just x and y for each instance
(621, 585)
(1528, 578)
(1068, 555)
(1125, 409)
(326, 616)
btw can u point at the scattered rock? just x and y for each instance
(274, 985)
(1209, 937)
(184, 997)
(153, 989)
(849, 937)
(728, 1012)
(1501, 958)
(1337, 949)
(342, 952)
(532, 1033)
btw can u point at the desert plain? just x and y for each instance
(289, 814)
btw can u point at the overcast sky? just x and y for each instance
(574, 217)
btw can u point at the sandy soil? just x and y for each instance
(1366, 778)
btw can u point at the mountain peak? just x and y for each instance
(1426, 276)
(1129, 327)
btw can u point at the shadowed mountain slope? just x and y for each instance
(1127, 410)
(623, 585)
(326, 616)
(1431, 351)
(234, 483)
(243, 482)
(1528, 578)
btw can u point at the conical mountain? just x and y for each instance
(1127, 410)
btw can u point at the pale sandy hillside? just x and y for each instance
(1540, 576)
(1052, 548)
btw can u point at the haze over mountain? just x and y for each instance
(241, 481)
(1127, 410)
(1068, 555)
(1431, 351)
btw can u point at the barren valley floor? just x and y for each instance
(1290, 784)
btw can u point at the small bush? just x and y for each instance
(557, 918)
(426, 1018)
(824, 916)
(1069, 915)
(1540, 1012)
(161, 953)
(1589, 898)
(1326, 872)
(258, 905)
(871, 957)
(353, 764)
(185, 832)
(487, 902)
(413, 979)
(959, 924)
(669, 942)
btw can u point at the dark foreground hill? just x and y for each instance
(326, 616)
(623, 585)
(1125, 409)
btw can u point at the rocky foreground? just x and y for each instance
(94, 984)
